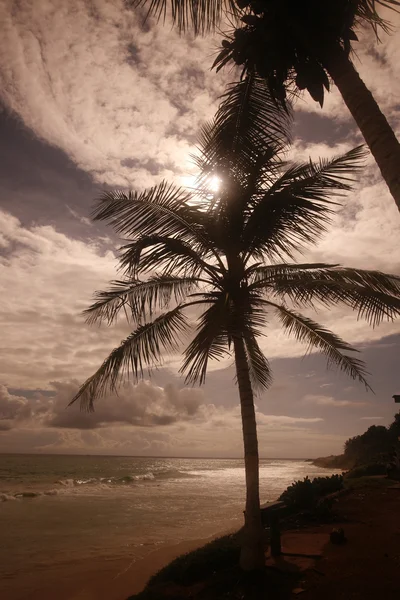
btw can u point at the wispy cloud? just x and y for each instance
(330, 401)
(124, 102)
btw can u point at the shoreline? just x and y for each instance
(99, 578)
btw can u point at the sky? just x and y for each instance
(92, 99)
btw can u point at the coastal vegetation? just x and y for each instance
(371, 453)
(298, 46)
(308, 492)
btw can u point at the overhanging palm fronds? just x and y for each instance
(142, 348)
(200, 16)
(366, 12)
(203, 16)
(315, 336)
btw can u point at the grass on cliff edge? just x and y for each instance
(199, 564)
(368, 481)
(212, 573)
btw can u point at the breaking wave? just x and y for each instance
(96, 484)
(126, 479)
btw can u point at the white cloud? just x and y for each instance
(144, 419)
(371, 418)
(122, 102)
(142, 405)
(46, 281)
(330, 401)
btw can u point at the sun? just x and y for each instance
(214, 184)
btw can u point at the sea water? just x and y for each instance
(55, 509)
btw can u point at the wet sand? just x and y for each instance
(105, 578)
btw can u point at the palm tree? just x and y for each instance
(229, 256)
(300, 45)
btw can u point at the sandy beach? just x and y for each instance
(101, 578)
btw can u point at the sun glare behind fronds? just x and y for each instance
(209, 186)
(214, 184)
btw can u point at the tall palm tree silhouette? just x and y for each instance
(226, 255)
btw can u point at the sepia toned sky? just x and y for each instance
(91, 99)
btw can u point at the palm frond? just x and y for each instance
(210, 342)
(247, 129)
(141, 348)
(374, 295)
(264, 275)
(259, 367)
(139, 299)
(366, 12)
(295, 210)
(325, 341)
(161, 210)
(166, 253)
(200, 16)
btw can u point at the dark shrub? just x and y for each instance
(328, 485)
(300, 494)
(201, 563)
(365, 470)
(305, 494)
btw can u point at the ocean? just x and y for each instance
(58, 509)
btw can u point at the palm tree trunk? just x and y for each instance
(371, 121)
(252, 551)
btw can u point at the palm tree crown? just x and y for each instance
(287, 41)
(206, 15)
(227, 253)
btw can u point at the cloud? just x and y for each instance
(142, 419)
(77, 216)
(17, 409)
(46, 280)
(274, 420)
(122, 100)
(371, 418)
(141, 405)
(330, 401)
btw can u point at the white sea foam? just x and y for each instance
(6, 497)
